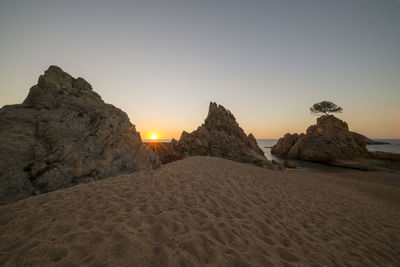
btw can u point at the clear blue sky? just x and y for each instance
(163, 61)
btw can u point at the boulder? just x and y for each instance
(277, 165)
(221, 136)
(64, 134)
(290, 164)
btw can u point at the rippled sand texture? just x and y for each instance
(209, 211)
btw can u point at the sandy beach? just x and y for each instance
(210, 211)
(199, 133)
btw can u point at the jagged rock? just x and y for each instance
(221, 136)
(327, 141)
(64, 134)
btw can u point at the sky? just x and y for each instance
(162, 62)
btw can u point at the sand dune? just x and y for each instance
(209, 211)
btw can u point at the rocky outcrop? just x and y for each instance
(64, 134)
(327, 141)
(166, 151)
(221, 136)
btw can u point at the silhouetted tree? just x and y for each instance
(325, 107)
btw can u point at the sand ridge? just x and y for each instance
(209, 211)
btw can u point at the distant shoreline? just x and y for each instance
(157, 141)
(264, 139)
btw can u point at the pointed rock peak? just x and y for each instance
(215, 109)
(212, 106)
(221, 136)
(218, 115)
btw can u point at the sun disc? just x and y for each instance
(153, 137)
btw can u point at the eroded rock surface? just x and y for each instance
(221, 136)
(64, 134)
(329, 140)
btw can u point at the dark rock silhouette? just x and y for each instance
(329, 140)
(221, 136)
(64, 134)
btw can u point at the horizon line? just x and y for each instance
(169, 139)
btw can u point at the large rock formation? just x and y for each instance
(64, 134)
(221, 136)
(328, 141)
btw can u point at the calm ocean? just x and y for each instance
(393, 146)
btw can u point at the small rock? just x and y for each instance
(290, 164)
(277, 165)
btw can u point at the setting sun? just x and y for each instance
(153, 137)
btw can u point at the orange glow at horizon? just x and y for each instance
(153, 137)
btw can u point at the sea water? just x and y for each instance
(266, 145)
(392, 147)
